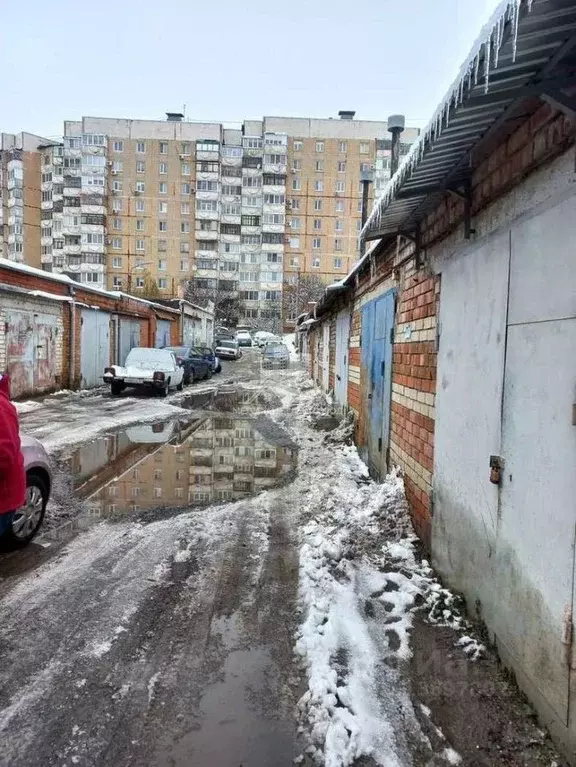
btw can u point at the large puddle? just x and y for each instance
(211, 457)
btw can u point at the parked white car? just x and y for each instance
(153, 369)
(261, 336)
(228, 349)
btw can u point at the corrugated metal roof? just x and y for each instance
(527, 44)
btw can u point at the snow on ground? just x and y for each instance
(290, 341)
(361, 582)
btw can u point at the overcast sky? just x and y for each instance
(229, 60)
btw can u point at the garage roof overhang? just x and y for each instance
(526, 54)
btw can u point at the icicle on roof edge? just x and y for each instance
(489, 42)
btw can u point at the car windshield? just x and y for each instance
(275, 350)
(228, 344)
(149, 356)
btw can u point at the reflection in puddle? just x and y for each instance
(216, 458)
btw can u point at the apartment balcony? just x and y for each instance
(93, 228)
(273, 228)
(207, 215)
(278, 208)
(202, 175)
(230, 238)
(208, 195)
(277, 168)
(205, 274)
(250, 248)
(231, 199)
(46, 240)
(212, 156)
(272, 247)
(72, 249)
(273, 189)
(231, 162)
(93, 247)
(71, 191)
(251, 230)
(44, 205)
(201, 234)
(227, 219)
(205, 253)
(47, 258)
(46, 186)
(71, 230)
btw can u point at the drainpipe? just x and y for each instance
(395, 126)
(182, 323)
(72, 305)
(366, 178)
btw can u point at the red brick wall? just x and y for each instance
(111, 304)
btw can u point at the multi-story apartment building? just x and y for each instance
(155, 206)
(20, 197)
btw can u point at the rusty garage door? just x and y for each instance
(94, 347)
(31, 351)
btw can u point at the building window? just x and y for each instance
(317, 205)
(117, 243)
(319, 146)
(316, 243)
(364, 147)
(162, 246)
(274, 199)
(140, 186)
(184, 265)
(163, 168)
(117, 262)
(118, 146)
(317, 223)
(185, 227)
(141, 146)
(116, 223)
(296, 164)
(343, 146)
(163, 147)
(250, 221)
(295, 223)
(162, 207)
(117, 186)
(184, 208)
(185, 169)
(342, 166)
(185, 189)
(294, 242)
(116, 205)
(139, 282)
(339, 206)
(162, 283)
(116, 282)
(340, 186)
(162, 226)
(139, 224)
(339, 226)
(184, 247)
(163, 187)
(298, 145)
(118, 166)
(139, 244)
(319, 185)
(140, 166)
(295, 203)
(294, 261)
(319, 166)
(359, 206)
(316, 262)
(139, 206)
(162, 264)
(337, 263)
(359, 226)
(337, 245)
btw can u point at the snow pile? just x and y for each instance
(361, 582)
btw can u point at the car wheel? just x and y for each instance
(180, 386)
(219, 367)
(28, 519)
(208, 375)
(116, 388)
(163, 392)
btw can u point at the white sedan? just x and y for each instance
(153, 369)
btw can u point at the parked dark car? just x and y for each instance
(208, 354)
(195, 364)
(275, 356)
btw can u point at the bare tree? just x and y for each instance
(228, 307)
(297, 296)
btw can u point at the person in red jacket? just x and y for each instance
(12, 474)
